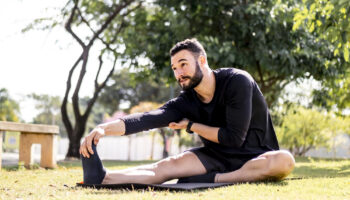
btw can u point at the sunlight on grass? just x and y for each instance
(322, 179)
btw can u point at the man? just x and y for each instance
(225, 107)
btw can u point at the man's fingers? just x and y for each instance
(173, 124)
(83, 149)
(89, 143)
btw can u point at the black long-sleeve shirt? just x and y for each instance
(238, 108)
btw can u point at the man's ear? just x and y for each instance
(202, 61)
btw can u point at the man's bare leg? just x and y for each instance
(272, 165)
(182, 165)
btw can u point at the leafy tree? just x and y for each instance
(304, 129)
(334, 94)
(253, 35)
(329, 19)
(104, 22)
(9, 108)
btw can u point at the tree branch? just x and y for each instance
(64, 111)
(97, 90)
(98, 71)
(86, 49)
(109, 20)
(68, 25)
(75, 97)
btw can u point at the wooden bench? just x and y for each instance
(46, 135)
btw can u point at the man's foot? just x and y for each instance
(94, 172)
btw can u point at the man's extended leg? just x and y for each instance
(182, 165)
(272, 165)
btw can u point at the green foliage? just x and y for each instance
(329, 19)
(9, 108)
(303, 129)
(334, 95)
(253, 35)
(266, 38)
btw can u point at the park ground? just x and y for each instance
(320, 179)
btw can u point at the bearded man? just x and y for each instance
(227, 110)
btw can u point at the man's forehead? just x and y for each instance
(181, 56)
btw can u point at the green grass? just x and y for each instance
(322, 179)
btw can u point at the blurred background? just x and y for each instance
(77, 64)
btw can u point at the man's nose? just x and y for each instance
(179, 73)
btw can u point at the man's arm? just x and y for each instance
(132, 124)
(207, 132)
(116, 127)
(238, 115)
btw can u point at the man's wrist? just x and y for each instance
(189, 126)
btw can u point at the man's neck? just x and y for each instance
(206, 89)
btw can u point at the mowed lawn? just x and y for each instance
(321, 179)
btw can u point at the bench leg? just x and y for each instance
(48, 152)
(25, 149)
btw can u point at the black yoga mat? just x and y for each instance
(156, 187)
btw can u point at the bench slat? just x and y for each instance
(28, 128)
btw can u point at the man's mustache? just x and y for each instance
(183, 77)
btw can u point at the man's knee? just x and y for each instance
(281, 164)
(167, 167)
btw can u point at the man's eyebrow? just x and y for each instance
(182, 59)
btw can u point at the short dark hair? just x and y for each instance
(191, 45)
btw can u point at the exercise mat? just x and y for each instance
(156, 187)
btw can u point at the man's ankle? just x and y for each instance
(106, 178)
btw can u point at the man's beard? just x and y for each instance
(194, 80)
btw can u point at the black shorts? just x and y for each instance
(214, 161)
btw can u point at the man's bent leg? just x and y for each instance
(272, 165)
(182, 165)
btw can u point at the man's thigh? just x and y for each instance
(181, 165)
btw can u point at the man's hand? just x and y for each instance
(94, 136)
(179, 125)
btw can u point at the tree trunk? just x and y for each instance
(73, 149)
(74, 139)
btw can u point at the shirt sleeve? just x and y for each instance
(161, 117)
(238, 112)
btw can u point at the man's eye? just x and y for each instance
(183, 64)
